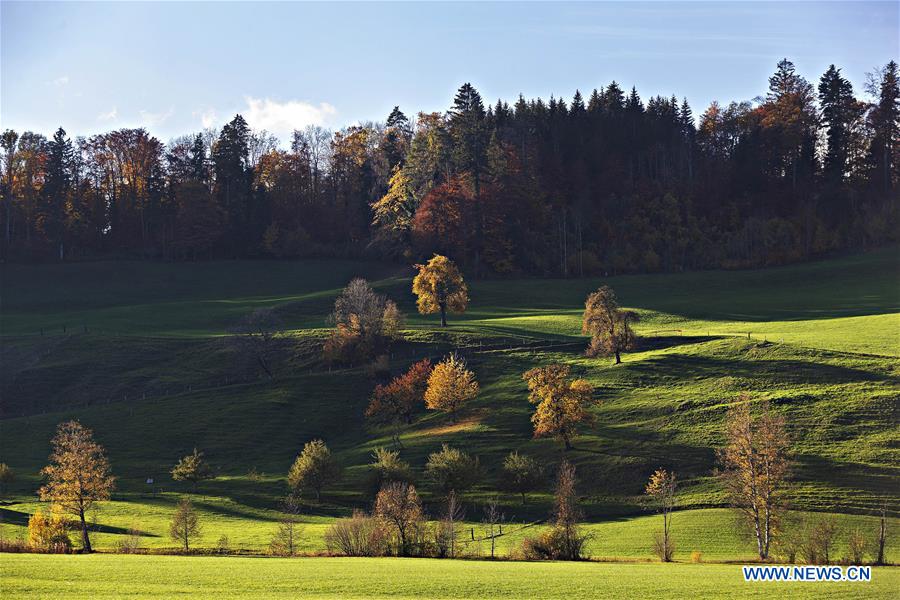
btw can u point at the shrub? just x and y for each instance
(399, 507)
(554, 544)
(696, 556)
(856, 547)
(360, 535)
(820, 541)
(222, 545)
(131, 543)
(663, 546)
(49, 532)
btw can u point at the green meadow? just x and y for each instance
(137, 352)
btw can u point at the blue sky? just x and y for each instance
(177, 67)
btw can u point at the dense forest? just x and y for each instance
(604, 183)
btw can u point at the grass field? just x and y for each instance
(142, 362)
(31, 576)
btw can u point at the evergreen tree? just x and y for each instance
(885, 122)
(836, 103)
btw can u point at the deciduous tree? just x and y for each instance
(315, 468)
(78, 474)
(756, 468)
(395, 403)
(608, 325)
(439, 287)
(522, 474)
(398, 504)
(661, 493)
(450, 386)
(562, 403)
(452, 470)
(192, 467)
(185, 524)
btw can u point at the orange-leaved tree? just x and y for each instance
(562, 402)
(440, 287)
(394, 403)
(450, 385)
(608, 325)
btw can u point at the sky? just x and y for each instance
(175, 68)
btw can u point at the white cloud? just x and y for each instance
(109, 116)
(151, 119)
(60, 81)
(281, 118)
(208, 117)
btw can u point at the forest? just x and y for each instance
(603, 184)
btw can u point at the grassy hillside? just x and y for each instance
(142, 361)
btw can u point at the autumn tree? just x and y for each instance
(398, 505)
(315, 468)
(395, 403)
(562, 403)
(450, 386)
(365, 322)
(452, 470)
(522, 474)
(755, 468)
(439, 287)
(564, 540)
(660, 491)
(192, 467)
(608, 325)
(185, 524)
(256, 339)
(78, 474)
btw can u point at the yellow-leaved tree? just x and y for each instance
(78, 474)
(561, 402)
(450, 385)
(440, 287)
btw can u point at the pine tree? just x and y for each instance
(885, 121)
(56, 190)
(836, 103)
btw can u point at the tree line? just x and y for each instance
(604, 183)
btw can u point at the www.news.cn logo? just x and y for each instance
(807, 573)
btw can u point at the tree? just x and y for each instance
(398, 504)
(192, 467)
(450, 386)
(78, 474)
(522, 473)
(365, 322)
(885, 123)
(881, 540)
(256, 338)
(493, 518)
(7, 476)
(837, 106)
(395, 403)
(756, 468)
(608, 325)
(314, 468)
(561, 402)
(387, 467)
(452, 470)
(446, 529)
(287, 536)
(661, 491)
(185, 524)
(439, 287)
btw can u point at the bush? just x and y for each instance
(558, 543)
(360, 535)
(696, 556)
(663, 548)
(49, 532)
(856, 547)
(820, 541)
(131, 543)
(222, 545)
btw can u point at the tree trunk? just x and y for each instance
(443, 306)
(618, 357)
(85, 540)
